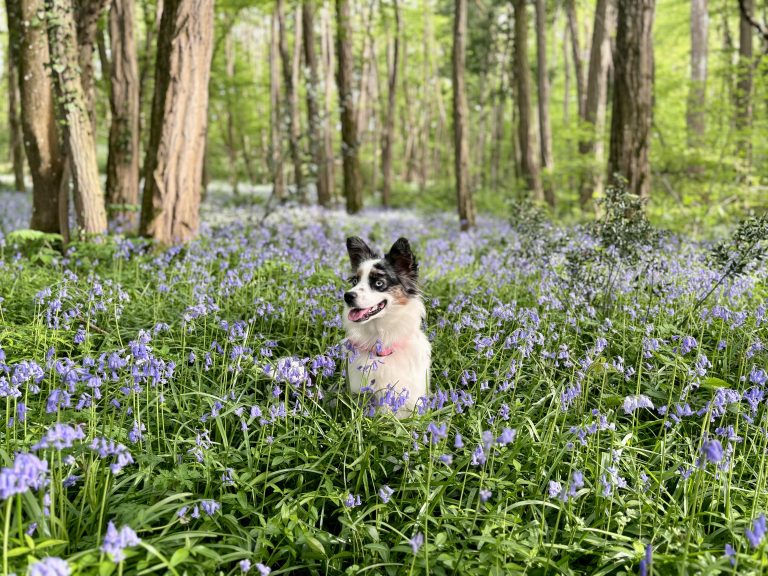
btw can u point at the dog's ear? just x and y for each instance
(403, 261)
(358, 251)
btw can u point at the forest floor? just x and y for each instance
(592, 409)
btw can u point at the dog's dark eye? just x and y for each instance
(378, 284)
(352, 280)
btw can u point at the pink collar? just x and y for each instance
(378, 351)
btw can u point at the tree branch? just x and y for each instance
(761, 28)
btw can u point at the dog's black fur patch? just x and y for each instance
(359, 252)
(404, 264)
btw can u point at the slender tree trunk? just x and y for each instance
(123, 158)
(573, 29)
(697, 93)
(229, 57)
(87, 14)
(328, 83)
(389, 128)
(350, 145)
(464, 199)
(545, 128)
(276, 139)
(320, 167)
(176, 151)
(593, 116)
(529, 167)
(73, 114)
(632, 96)
(744, 85)
(14, 123)
(38, 118)
(151, 23)
(291, 97)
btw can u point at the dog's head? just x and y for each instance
(379, 285)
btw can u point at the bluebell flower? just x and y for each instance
(554, 489)
(60, 436)
(458, 443)
(635, 402)
(50, 566)
(352, 501)
(385, 493)
(263, 570)
(210, 507)
(416, 542)
(731, 554)
(28, 471)
(507, 436)
(485, 495)
(712, 450)
(437, 432)
(116, 541)
(245, 565)
(757, 533)
(645, 563)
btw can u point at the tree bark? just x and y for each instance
(632, 96)
(231, 142)
(38, 117)
(276, 133)
(350, 145)
(176, 151)
(73, 114)
(320, 167)
(14, 124)
(545, 127)
(292, 98)
(697, 92)
(328, 83)
(594, 107)
(578, 66)
(464, 198)
(744, 84)
(529, 166)
(123, 157)
(87, 14)
(389, 127)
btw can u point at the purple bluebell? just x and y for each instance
(385, 493)
(416, 542)
(116, 541)
(757, 533)
(28, 471)
(50, 566)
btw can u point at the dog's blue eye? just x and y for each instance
(353, 280)
(379, 284)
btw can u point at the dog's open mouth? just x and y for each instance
(360, 314)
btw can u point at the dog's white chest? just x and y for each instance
(405, 370)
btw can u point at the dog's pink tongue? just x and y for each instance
(356, 313)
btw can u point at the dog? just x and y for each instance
(389, 354)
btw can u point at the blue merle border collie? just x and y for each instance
(383, 311)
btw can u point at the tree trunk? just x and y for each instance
(529, 167)
(320, 167)
(87, 14)
(697, 93)
(231, 142)
(594, 107)
(175, 155)
(545, 128)
(350, 146)
(123, 158)
(328, 83)
(744, 85)
(573, 29)
(464, 199)
(291, 97)
(389, 127)
(632, 96)
(38, 118)
(151, 23)
(73, 114)
(14, 124)
(278, 178)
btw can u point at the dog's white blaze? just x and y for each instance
(366, 296)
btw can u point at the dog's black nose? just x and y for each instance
(349, 297)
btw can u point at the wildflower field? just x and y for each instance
(597, 406)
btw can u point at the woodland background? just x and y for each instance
(533, 85)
